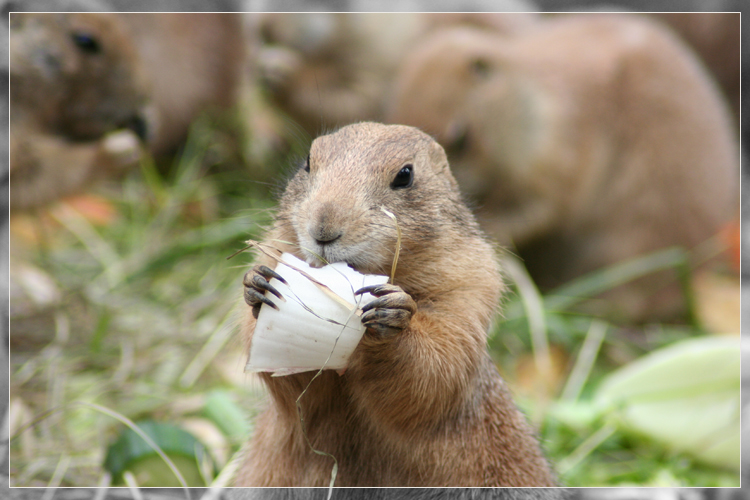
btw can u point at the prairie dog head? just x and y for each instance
(334, 205)
(83, 67)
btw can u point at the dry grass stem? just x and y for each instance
(398, 243)
(585, 361)
(219, 337)
(534, 307)
(584, 449)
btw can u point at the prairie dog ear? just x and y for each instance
(440, 160)
(438, 157)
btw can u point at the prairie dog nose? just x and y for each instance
(323, 226)
(139, 126)
(323, 233)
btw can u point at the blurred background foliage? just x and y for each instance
(123, 322)
(128, 302)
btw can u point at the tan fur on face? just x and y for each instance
(63, 89)
(425, 407)
(590, 140)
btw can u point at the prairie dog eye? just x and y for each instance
(404, 177)
(306, 166)
(480, 67)
(86, 43)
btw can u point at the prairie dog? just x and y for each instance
(193, 62)
(329, 69)
(593, 139)
(421, 403)
(74, 78)
(75, 75)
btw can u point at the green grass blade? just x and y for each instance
(599, 281)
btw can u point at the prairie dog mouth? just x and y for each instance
(368, 248)
(360, 257)
(319, 255)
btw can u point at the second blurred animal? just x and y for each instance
(73, 79)
(76, 77)
(590, 140)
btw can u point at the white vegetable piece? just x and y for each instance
(310, 326)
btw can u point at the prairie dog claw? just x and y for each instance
(390, 312)
(256, 284)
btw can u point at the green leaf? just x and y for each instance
(686, 396)
(131, 453)
(579, 415)
(607, 278)
(221, 409)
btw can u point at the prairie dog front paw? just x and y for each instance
(391, 312)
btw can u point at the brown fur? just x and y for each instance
(47, 167)
(398, 494)
(64, 99)
(425, 407)
(196, 62)
(715, 37)
(593, 139)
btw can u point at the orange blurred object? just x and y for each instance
(731, 235)
(97, 210)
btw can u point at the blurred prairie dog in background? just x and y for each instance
(73, 79)
(329, 69)
(196, 63)
(97, 73)
(593, 139)
(191, 62)
(75, 75)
